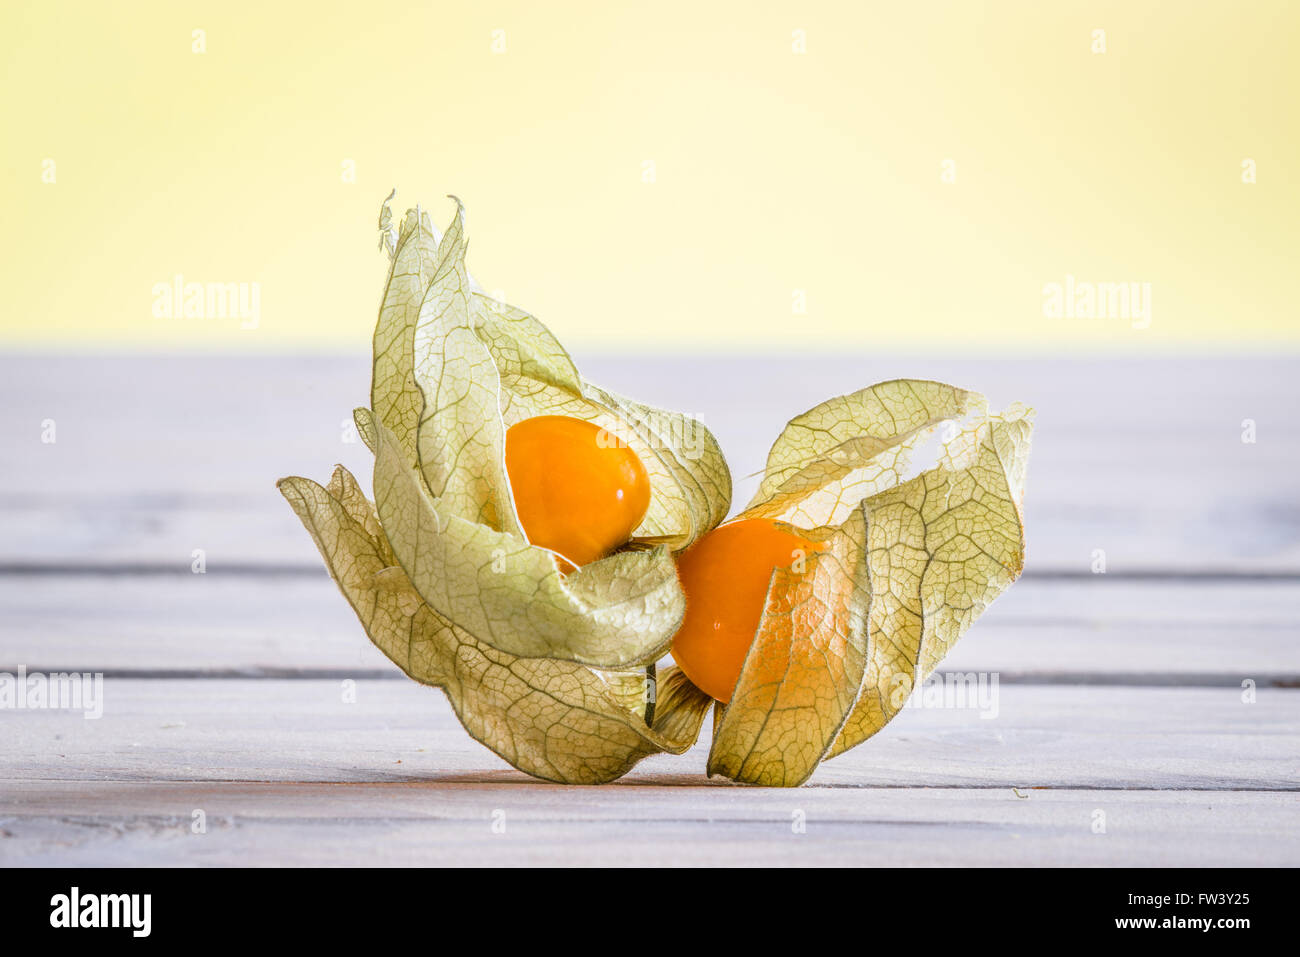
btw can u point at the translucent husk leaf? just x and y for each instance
(911, 566)
(692, 458)
(836, 454)
(460, 436)
(941, 547)
(618, 612)
(803, 670)
(417, 258)
(521, 346)
(528, 372)
(555, 720)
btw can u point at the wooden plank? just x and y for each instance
(1142, 458)
(182, 623)
(157, 456)
(303, 730)
(481, 821)
(219, 622)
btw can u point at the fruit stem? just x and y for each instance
(651, 689)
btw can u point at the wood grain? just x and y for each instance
(642, 824)
(282, 623)
(304, 730)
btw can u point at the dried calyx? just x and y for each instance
(528, 529)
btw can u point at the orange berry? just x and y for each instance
(725, 576)
(577, 491)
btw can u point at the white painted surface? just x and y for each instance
(1122, 692)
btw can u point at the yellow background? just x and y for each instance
(775, 171)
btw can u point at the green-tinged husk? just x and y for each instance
(550, 670)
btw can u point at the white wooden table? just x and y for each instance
(1120, 696)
